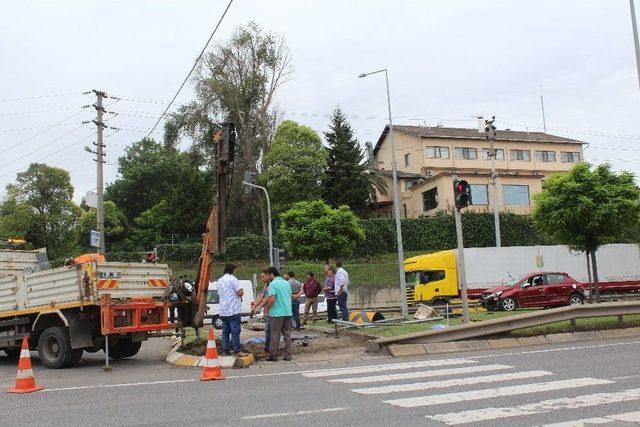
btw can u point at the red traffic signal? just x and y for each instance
(462, 193)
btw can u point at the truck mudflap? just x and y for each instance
(133, 316)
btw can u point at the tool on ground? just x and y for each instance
(25, 382)
(212, 370)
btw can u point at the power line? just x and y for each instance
(192, 68)
(44, 131)
(55, 95)
(51, 110)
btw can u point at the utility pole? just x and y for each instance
(99, 167)
(490, 134)
(462, 276)
(544, 119)
(636, 44)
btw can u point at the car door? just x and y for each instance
(557, 289)
(528, 292)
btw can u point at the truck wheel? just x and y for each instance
(509, 304)
(575, 299)
(217, 323)
(54, 348)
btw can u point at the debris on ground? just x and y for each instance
(424, 312)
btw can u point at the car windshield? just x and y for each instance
(514, 282)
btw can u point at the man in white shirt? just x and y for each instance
(342, 290)
(230, 293)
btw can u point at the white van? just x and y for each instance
(213, 303)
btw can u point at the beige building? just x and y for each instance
(428, 156)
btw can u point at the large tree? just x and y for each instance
(588, 207)
(348, 179)
(293, 166)
(237, 82)
(43, 194)
(314, 230)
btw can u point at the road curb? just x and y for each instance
(407, 350)
(177, 358)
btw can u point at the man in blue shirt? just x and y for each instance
(279, 306)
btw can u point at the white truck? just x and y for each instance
(69, 310)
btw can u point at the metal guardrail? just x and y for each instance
(508, 324)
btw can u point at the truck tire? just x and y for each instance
(54, 348)
(123, 348)
(509, 304)
(575, 299)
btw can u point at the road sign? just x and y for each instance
(91, 199)
(94, 238)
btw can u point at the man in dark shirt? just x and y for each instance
(311, 289)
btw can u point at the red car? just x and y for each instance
(547, 289)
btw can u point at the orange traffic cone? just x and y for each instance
(211, 369)
(25, 382)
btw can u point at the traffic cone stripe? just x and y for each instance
(211, 344)
(211, 363)
(24, 353)
(24, 374)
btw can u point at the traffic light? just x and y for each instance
(462, 193)
(249, 178)
(281, 257)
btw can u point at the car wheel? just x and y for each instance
(576, 299)
(54, 348)
(217, 323)
(509, 304)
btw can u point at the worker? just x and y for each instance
(261, 303)
(230, 292)
(279, 304)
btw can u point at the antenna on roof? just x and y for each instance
(544, 121)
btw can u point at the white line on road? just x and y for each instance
(388, 367)
(630, 417)
(291, 414)
(437, 399)
(421, 374)
(550, 405)
(452, 382)
(86, 387)
(552, 350)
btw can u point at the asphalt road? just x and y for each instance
(528, 386)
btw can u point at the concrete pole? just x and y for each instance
(99, 167)
(494, 185)
(462, 276)
(636, 44)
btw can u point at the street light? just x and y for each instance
(248, 184)
(396, 202)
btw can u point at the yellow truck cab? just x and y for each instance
(431, 278)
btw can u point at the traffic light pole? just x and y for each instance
(248, 184)
(462, 276)
(490, 131)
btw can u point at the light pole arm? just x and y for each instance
(266, 194)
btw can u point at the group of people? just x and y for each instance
(280, 300)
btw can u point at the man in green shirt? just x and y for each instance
(279, 306)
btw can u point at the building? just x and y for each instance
(427, 157)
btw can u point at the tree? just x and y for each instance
(293, 166)
(314, 230)
(348, 179)
(586, 208)
(115, 226)
(150, 174)
(44, 195)
(16, 219)
(237, 82)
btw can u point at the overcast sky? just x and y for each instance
(448, 61)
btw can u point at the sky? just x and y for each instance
(448, 60)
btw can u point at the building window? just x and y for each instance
(522, 155)
(515, 195)
(546, 156)
(430, 199)
(569, 157)
(466, 153)
(433, 152)
(487, 151)
(479, 194)
(406, 159)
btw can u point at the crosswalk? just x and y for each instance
(475, 390)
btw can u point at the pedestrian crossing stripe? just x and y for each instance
(387, 367)
(628, 417)
(545, 406)
(452, 382)
(421, 374)
(464, 396)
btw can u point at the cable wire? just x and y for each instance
(192, 68)
(46, 130)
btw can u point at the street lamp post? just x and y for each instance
(248, 184)
(396, 201)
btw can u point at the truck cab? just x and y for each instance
(431, 278)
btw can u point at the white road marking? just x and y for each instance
(388, 367)
(421, 374)
(464, 396)
(291, 414)
(551, 350)
(451, 382)
(631, 417)
(87, 387)
(550, 405)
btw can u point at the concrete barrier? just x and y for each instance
(374, 296)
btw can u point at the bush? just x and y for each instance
(249, 246)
